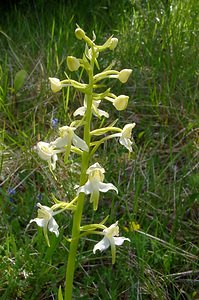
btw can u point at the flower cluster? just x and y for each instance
(92, 178)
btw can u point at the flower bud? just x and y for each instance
(113, 45)
(121, 102)
(73, 63)
(56, 85)
(123, 75)
(80, 34)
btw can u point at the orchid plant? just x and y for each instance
(92, 173)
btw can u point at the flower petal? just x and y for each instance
(86, 189)
(120, 240)
(53, 163)
(126, 143)
(53, 226)
(40, 222)
(80, 111)
(102, 113)
(60, 142)
(79, 143)
(105, 187)
(102, 245)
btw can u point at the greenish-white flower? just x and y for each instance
(47, 152)
(95, 110)
(68, 137)
(55, 84)
(111, 238)
(125, 136)
(95, 184)
(46, 221)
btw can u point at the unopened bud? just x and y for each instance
(80, 34)
(73, 63)
(121, 102)
(113, 45)
(123, 75)
(55, 83)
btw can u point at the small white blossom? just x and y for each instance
(46, 221)
(111, 238)
(125, 136)
(47, 152)
(95, 184)
(95, 110)
(68, 137)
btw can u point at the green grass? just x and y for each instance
(158, 183)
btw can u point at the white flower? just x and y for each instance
(111, 238)
(125, 136)
(68, 137)
(55, 84)
(123, 75)
(46, 152)
(95, 184)
(95, 110)
(45, 219)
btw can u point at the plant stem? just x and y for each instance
(80, 202)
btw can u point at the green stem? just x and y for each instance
(80, 202)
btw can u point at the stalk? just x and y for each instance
(80, 201)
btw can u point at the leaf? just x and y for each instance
(19, 80)
(60, 296)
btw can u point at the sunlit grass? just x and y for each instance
(158, 183)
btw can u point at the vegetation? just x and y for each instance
(158, 183)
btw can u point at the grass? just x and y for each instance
(158, 184)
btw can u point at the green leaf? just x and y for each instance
(19, 80)
(60, 296)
